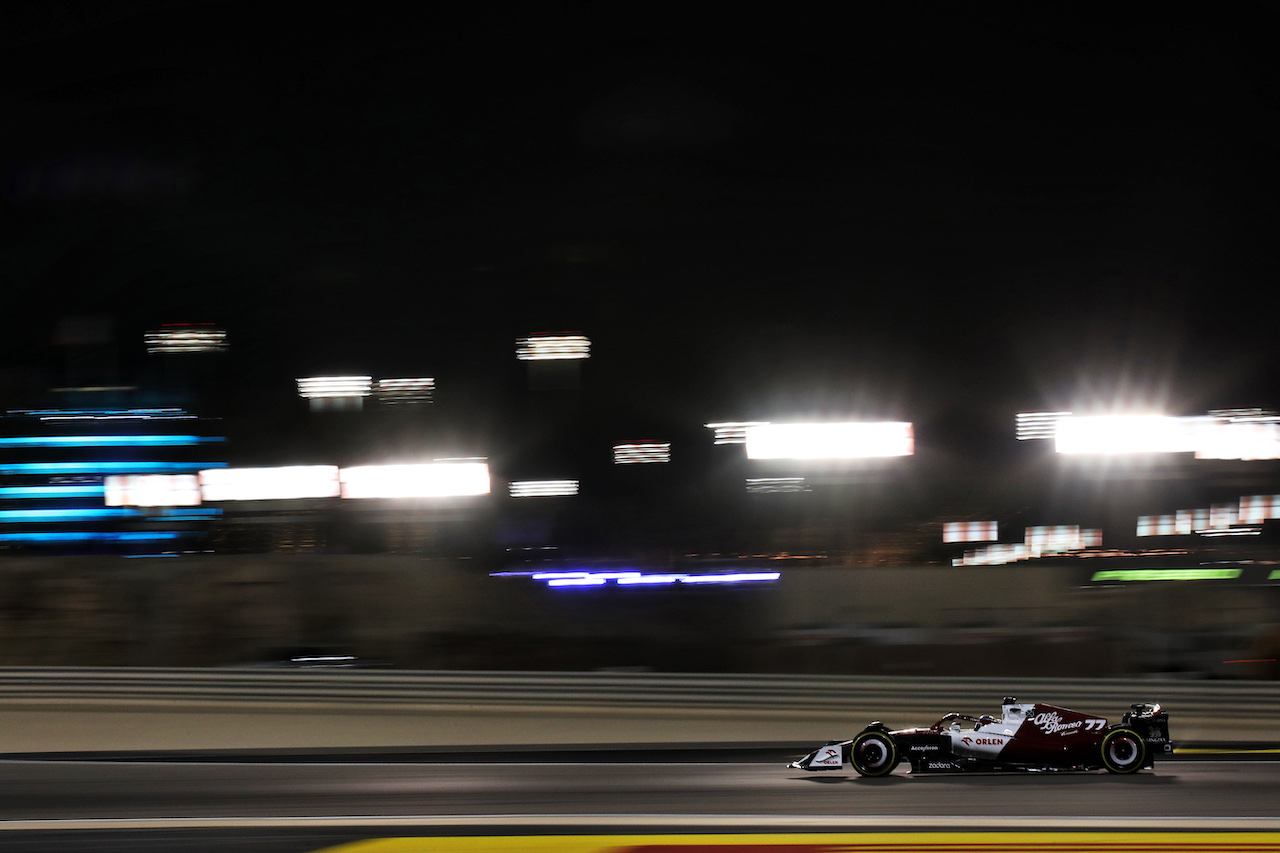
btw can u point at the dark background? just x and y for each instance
(929, 212)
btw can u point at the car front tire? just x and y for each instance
(1123, 751)
(873, 754)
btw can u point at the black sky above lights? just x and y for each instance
(929, 212)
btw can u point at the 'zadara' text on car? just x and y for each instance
(1028, 736)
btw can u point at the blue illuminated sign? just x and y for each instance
(19, 492)
(93, 536)
(41, 515)
(108, 440)
(105, 467)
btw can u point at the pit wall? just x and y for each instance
(214, 610)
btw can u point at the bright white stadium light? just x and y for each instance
(1119, 434)
(426, 480)
(1245, 439)
(732, 432)
(401, 392)
(181, 339)
(776, 485)
(641, 452)
(553, 347)
(1038, 425)
(543, 488)
(857, 440)
(969, 531)
(322, 387)
(151, 490)
(291, 482)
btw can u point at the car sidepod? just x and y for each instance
(927, 751)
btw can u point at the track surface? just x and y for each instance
(197, 802)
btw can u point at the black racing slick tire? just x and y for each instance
(1123, 751)
(873, 754)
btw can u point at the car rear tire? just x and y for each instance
(873, 754)
(1123, 751)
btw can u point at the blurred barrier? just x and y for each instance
(404, 690)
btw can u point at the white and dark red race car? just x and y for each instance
(1028, 736)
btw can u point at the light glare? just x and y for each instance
(553, 347)
(183, 339)
(428, 480)
(641, 452)
(152, 490)
(1038, 425)
(732, 432)
(854, 440)
(259, 484)
(405, 392)
(322, 387)
(542, 488)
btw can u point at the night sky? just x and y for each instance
(942, 213)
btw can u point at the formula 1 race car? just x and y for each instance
(1027, 737)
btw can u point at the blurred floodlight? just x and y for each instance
(732, 432)
(1038, 425)
(427, 480)
(1040, 541)
(993, 555)
(1158, 525)
(1218, 517)
(405, 392)
(182, 338)
(543, 488)
(776, 485)
(151, 490)
(1255, 509)
(1113, 434)
(1053, 539)
(553, 348)
(321, 387)
(830, 441)
(969, 531)
(641, 452)
(1243, 434)
(1239, 439)
(1252, 414)
(291, 482)
(1191, 520)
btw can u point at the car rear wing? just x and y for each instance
(1149, 721)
